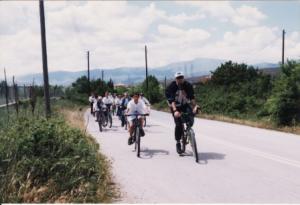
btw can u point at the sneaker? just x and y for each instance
(178, 148)
(130, 141)
(142, 132)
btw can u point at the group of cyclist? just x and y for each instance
(121, 105)
(180, 98)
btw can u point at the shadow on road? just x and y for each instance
(206, 156)
(149, 153)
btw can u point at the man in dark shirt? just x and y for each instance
(180, 96)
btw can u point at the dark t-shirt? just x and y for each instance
(181, 95)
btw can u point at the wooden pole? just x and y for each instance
(44, 56)
(146, 63)
(283, 35)
(16, 95)
(6, 92)
(88, 67)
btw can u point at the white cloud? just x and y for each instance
(116, 32)
(242, 16)
(247, 16)
(183, 17)
(255, 44)
(219, 9)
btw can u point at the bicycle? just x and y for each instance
(136, 133)
(188, 136)
(108, 117)
(114, 109)
(100, 119)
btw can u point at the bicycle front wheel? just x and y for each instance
(137, 141)
(193, 143)
(110, 120)
(99, 122)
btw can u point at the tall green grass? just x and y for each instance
(48, 161)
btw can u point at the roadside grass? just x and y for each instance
(52, 160)
(264, 123)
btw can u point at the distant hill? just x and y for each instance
(132, 75)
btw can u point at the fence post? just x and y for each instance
(25, 95)
(6, 93)
(32, 97)
(16, 96)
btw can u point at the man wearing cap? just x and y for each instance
(180, 94)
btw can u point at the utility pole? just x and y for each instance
(25, 94)
(44, 56)
(16, 95)
(146, 61)
(102, 78)
(165, 83)
(88, 67)
(283, 34)
(6, 92)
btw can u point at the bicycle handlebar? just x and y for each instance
(137, 114)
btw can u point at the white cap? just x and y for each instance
(178, 74)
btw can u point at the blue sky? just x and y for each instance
(283, 14)
(116, 32)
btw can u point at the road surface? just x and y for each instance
(238, 164)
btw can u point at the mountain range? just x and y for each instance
(132, 75)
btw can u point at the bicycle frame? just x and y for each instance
(189, 135)
(137, 126)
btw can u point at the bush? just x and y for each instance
(284, 103)
(154, 94)
(46, 160)
(235, 90)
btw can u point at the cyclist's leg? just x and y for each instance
(123, 118)
(97, 116)
(178, 125)
(178, 132)
(91, 105)
(141, 119)
(130, 130)
(178, 128)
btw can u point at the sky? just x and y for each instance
(115, 33)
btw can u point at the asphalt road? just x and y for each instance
(238, 164)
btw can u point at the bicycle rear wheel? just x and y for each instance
(193, 144)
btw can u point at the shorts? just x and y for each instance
(131, 120)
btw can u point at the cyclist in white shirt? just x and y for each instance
(135, 106)
(91, 100)
(97, 105)
(107, 100)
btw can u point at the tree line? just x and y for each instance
(234, 90)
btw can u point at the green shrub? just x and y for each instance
(46, 160)
(284, 103)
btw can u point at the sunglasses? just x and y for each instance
(179, 78)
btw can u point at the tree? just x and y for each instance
(154, 93)
(284, 103)
(110, 85)
(81, 85)
(231, 73)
